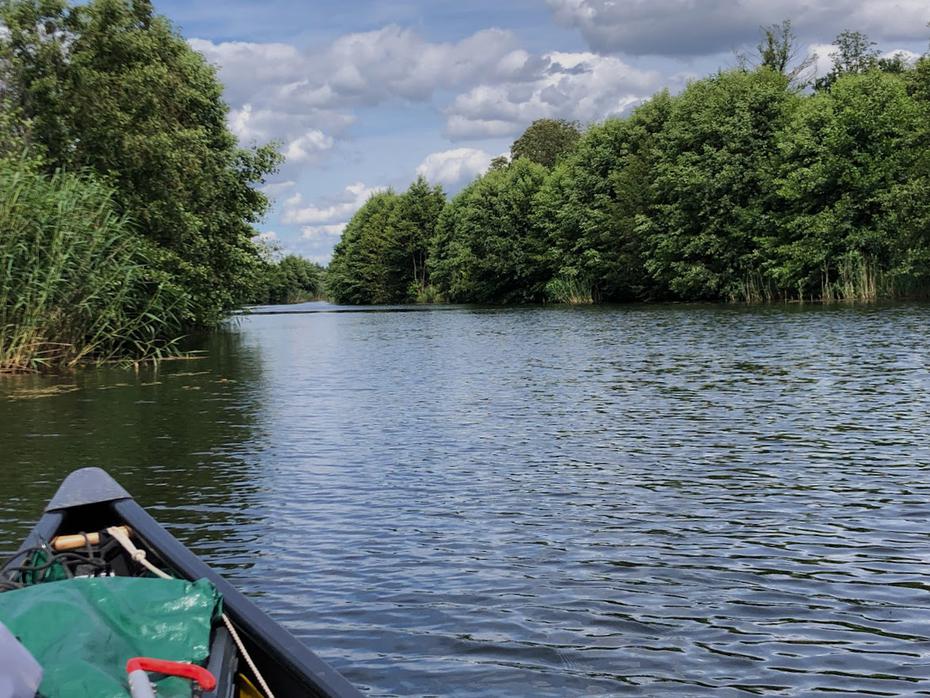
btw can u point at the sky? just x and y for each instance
(363, 95)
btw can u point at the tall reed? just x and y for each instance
(857, 278)
(75, 282)
(569, 289)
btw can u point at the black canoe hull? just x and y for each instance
(90, 500)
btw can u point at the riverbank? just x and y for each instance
(747, 186)
(123, 228)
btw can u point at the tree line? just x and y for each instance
(126, 205)
(286, 278)
(756, 184)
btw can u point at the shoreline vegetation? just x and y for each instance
(758, 184)
(126, 205)
(127, 208)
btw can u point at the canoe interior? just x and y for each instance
(290, 668)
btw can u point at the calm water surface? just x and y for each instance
(646, 501)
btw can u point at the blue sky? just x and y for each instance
(366, 94)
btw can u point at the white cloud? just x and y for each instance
(689, 27)
(322, 224)
(251, 66)
(575, 86)
(451, 167)
(318, 232)
(459, 127)
(351, 200)
(279, 92)
(308, 147)
(305, 99)
(273, 189)
(267, 236)
(910, 57)
(285, 124)
(393, 62)
(823, 64)
(824, 52)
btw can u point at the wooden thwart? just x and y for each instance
(79, 540)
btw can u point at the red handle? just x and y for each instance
(204, 678)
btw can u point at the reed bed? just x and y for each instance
(569, 290)
(76, 283)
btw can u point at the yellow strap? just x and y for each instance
(246, 689)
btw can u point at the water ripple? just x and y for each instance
(605, 501)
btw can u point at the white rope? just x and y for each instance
(245, 655)
(119, 534)
(138, 555)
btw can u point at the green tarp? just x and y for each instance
(82, 631)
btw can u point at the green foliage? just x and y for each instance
(382, 257)
(777, 45)
(360, 271)
(499, 162)
(291, 279)
(855, 54)
(590, 207)
(742, 188)
(75, 282)
(13, 143)
(546, 141)
(778, 50)
(715, 161)
(849, 192)
(919, 81)
(110, 87)
(413, 227)
(486, 248)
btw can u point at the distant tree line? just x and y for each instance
(287, 279)
(756, 184)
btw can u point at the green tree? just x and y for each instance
(855, 209)
(855, 53)
(913, 206)
(546, 141)
(919, 80)
(591, 204)
(499, 162)
(111, 87)
(290, 279)
(486, 249)
(778, 50)
(744, 187)
(13, 139)
(715, 162)
(382, 256)
(415, 224)
(361, 271)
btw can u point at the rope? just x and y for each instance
(247, 657)
(137, 555)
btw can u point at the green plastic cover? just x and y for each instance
(82, 631)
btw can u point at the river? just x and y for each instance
(650, 500)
